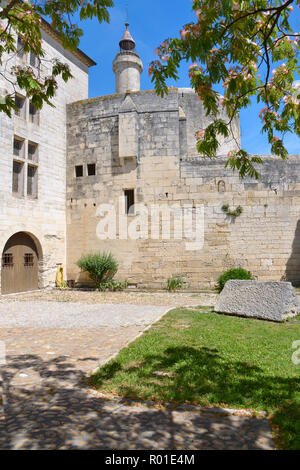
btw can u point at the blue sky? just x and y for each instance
(150, 23)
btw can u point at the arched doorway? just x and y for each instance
(20, 264)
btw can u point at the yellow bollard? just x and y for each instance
(59, 281)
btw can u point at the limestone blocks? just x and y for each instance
(268, 300)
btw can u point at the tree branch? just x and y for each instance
(254, 12)
(6, 10)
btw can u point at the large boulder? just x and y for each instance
(268, 300)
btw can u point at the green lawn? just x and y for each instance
(213, 360)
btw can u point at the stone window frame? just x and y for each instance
(19, 190)
(26, 163)
(34, 193)
(28, 58)
(27, 111)
(34, 61)
(19, 153)
(89, 166)
(82, 170)
(20, 112)
(34, 156)
(34, 117)
(21, 54)
(127, 207)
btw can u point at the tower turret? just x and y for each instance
(127, 65)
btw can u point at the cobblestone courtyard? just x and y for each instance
(51, 347)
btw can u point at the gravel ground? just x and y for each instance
(178, 299)
(37, 314)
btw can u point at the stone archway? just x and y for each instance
(20, 264)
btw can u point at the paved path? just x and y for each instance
(77, 315)
(50, 349)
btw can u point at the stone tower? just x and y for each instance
(127, 65)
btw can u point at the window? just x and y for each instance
(7, 260)
(17, 182)
(34, 115)
(25, 171)
(19, 147)
(34, 60)
(129, 201)
(79, 171)
(28, 259)
(91, 169)
(20, 105)
(32, 151)
(32, 181)
(20, 49)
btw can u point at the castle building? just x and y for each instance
(33, 173)
(121, 173)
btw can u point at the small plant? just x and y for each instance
(101, 266)
(112, 285)
(234, 273)
(174, 284)
(233, 213)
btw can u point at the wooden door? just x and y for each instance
(19, 270)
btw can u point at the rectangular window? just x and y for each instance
(91, 169)
(34, 60)
(129, 201)
(20, 49)
(32, 181)
(17, 182)
(7, 260)
(79, 171)
(19, 147)
(20, 105)
(32, 151)
(34, 115)
(28, 259)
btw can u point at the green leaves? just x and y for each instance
(243, 163)
(251, 49)
(100, 266)
(232, 212)
(209, 144)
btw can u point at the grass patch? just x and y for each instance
(213, 360)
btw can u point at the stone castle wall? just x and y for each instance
(43, 217)
(142, 142)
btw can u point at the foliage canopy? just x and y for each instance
(251, 49)
(21, 24)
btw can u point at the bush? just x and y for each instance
(112, 285)
(234, 273)
(174, 283)
(101, 266)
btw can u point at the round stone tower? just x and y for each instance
(127, 65)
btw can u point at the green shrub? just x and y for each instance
(234, 212)
(174, 283)
(234, 273)
(101, 266)
(112, 285)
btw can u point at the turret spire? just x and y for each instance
(127, 43)
(127, 66)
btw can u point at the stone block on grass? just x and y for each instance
(267, 300)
